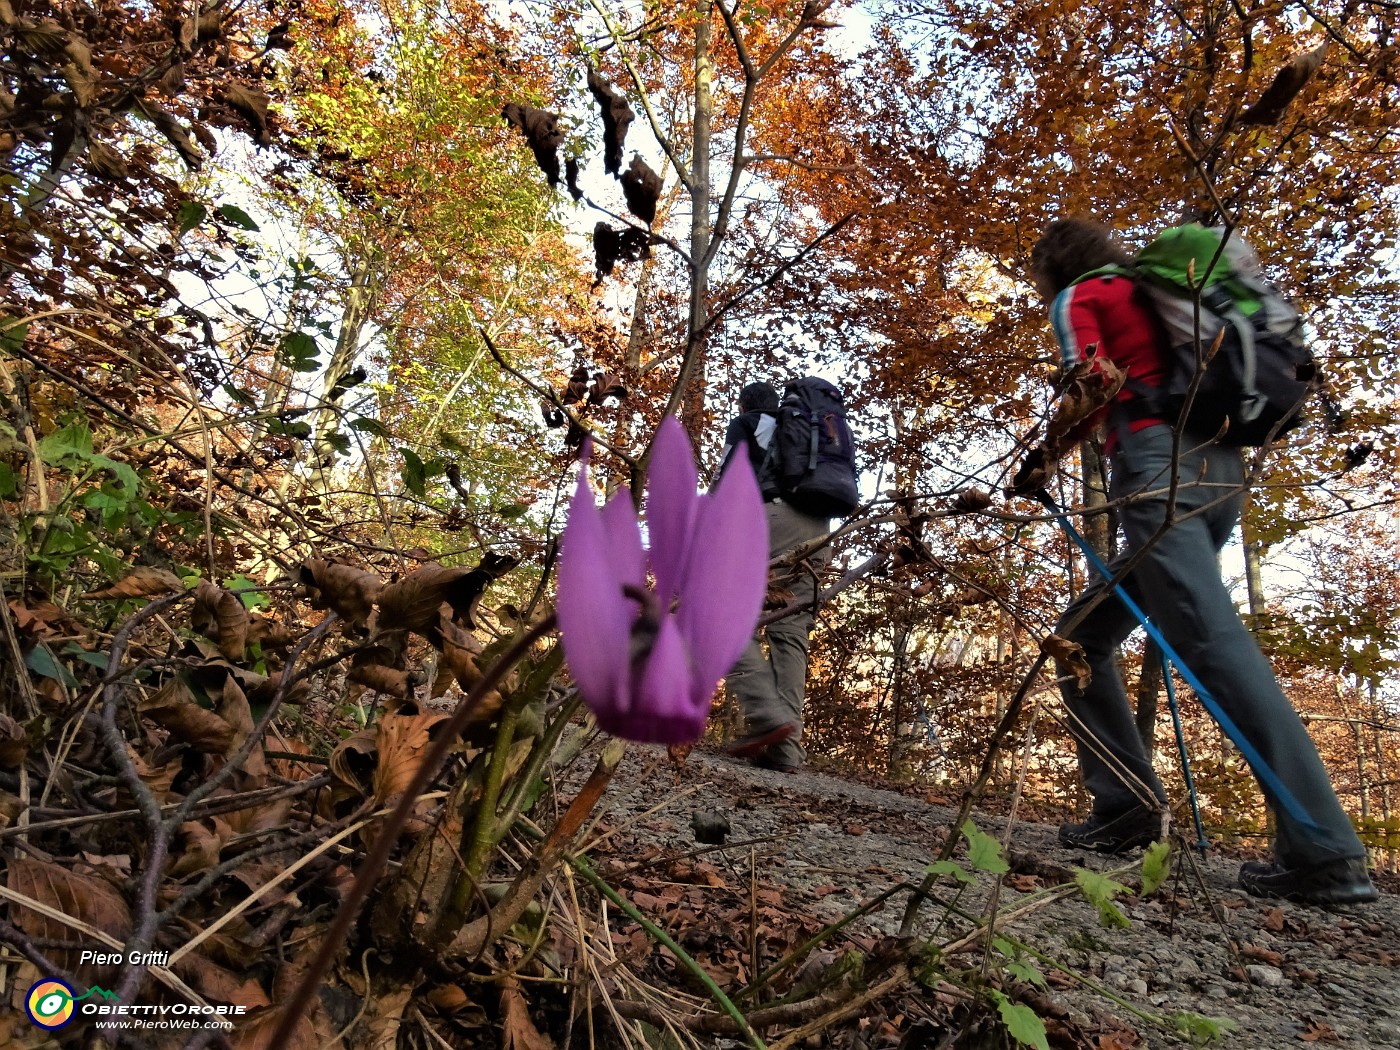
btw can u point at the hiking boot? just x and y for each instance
(754, 744)
(1140, 826)
(765, 760)
(1342, 881)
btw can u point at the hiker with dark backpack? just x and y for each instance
(804, 458)
(1102, 308)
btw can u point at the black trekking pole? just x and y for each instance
(1173, 707)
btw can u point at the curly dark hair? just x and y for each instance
(1070, 248)
(758, 397)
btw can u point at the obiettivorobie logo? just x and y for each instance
(51, 1004)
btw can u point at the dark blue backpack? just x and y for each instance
(811, 460)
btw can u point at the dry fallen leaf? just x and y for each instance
(218, 614)
(349, 591)
(83, 897)
(174, 709)
(518, 1032)
(1070, 655)
(1318, 1032)
(144, 581)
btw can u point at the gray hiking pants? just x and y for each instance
(769, 686)
(1178, 585)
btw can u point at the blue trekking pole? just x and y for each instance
(1262, 769)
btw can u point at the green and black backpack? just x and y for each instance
(1224, 320)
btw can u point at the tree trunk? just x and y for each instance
(1253, 566)
(699, 186)
(359, 303)
(1148, 692)
(1098, 527)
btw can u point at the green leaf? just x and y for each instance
(12, 335)
(298, 429)
(190, 215)
(1200, 1029)
(948, 867)
(338, 441)
(1025, 970)
(512, 510)
(42, 662)
(237, 216)
(366, 425)
(983, 851)
(249, 593)
(1022, 1023)
(299, 352)
(126, 477)
(414, 478)
(451, 442)
(98, 660)
(1100, 890)
(239, 395)
(1156, 866)
(73, 440)
(9, 482)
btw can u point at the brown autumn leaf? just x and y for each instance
(541, 130)
(400, 745)
(201, 842)
(1118, 1041)
(84, 897)
(268, 634)
(576, 388)
(610, 246)
(617, 117)
(1087, 388)
(14, 745)
(256, 1028)
(252, 102)
(384, 1018)
(1070, 655)
(354, 759)
(219, 984)
(642, 188)
(144, 581)
(157, 778)
(413, 603)
(518, 1032)
(970, 501)
(220, 616)
(349, 591)
(233, 708)
(173, 708)
(448, 997)
(606, 385)
(1316, 1031)
(388, 680)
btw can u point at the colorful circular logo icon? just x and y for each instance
(50, 1003)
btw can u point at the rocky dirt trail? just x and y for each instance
(811, 848)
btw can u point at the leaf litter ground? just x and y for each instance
(801, 851)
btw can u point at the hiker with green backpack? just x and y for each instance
(1192, 344)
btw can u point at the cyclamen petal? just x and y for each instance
(626, 556)
(667, 709)
(672, 504)
(595, 619)
(722, 594)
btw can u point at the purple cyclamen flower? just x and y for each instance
(646, 658)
